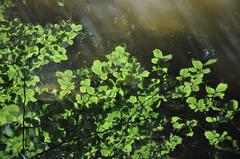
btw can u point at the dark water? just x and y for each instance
(186, 28)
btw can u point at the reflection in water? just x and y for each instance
(187, 28)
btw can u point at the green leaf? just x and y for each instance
(132, 99)
(128, 148)
(229, 115)
(167, 57)
(76, 28)
(197, 64)
(187, 90)
(4, 37)
(222, 87)
(104, 76)
(106, 152)
(175, 119)
(234, 104)
(211, 119)
(78, 98)
(120, 49)
(93, 99)
(154, 60)
(191, 100)
(86, 82)
(90, 90)
(210, 90)
(33, 81)
(97, 67)
(210, 62)
(178, 126)
(157, 53)
(2, 18)
(30, 94)
(106, 125)
(68, 73)
(209, 135)
(184, 72)
(190, 134)
(145, 74)
(60, 3)
(220, 95)
(2, 154)
(206, 71)
(63, 93)
(192, 123)
(9, 114)
(83, 89)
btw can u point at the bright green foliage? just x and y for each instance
(126, 109)
(4, 5)
(187, 126)
(170, 144)
(158, 56)
(65, 80)
(9, 114)
(190, 79)
(210, 62)
(222, 141)
(60, 3)
(197, 64)
(98, 67)
(112, 109)
(24, 49)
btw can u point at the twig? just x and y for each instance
(24, 112)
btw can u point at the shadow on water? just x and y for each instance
(187, 28)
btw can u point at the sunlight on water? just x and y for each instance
(186, 28)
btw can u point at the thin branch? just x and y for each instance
(24, 112)
(91, 135)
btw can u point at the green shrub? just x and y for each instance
(113, 109)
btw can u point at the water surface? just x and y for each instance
(186, 28)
